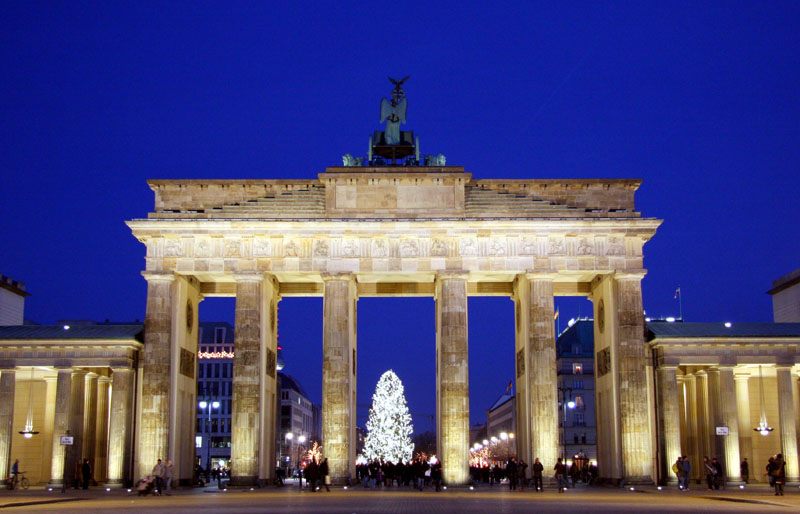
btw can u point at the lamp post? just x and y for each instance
(566, 404)
(204, 405)
(300, 440)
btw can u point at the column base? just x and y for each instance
(243, 481)
(644, 480)
(115, 484)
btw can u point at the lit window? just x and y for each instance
(577, 368)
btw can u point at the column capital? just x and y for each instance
(536, 275)
(103, 379)
(121, 370)
(668, 367)
(452, 275)
(338, 275)
(784, 367)
(630, 275)
(76, 372)
(50, 378)
(248, 276)
(152, 276)
(741, 376)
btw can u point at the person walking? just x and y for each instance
(436, 475)
(561, 475)
(687, 472)
(778, 472)
(708, 467)
(324, 472)
(744, 469)
(168, 474)
(157, 473)
(538, 468)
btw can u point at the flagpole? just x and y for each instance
(680, 302)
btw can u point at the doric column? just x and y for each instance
(101, 430)
(722, 394)
(61, 418)
(632, 361)
(77, 406)
(522, 302)
(745, 424)
(786, 417)
(250, 419)
(156, 363)
(339, 374)
(669, 421)
(120, 427)
(682, 421)
(452, 377)
(270, 392)
(8, 387)
(539, 362)
(701, 395)
(90, 419)
(691, 425)
(47, 428)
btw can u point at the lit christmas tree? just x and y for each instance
(389, 426)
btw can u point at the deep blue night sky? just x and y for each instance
(699, 101)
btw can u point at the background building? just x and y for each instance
(575, 361)
(214, 384)
(785, 294)
(12, 301)
(299, 417)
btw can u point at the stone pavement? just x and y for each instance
(499, 500)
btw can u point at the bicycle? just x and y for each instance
(16, 482)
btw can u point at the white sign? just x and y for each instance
(198, 441)
(722, 430)
(66, 440)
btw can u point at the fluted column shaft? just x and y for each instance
(120, 427)
(47, 428)
(701, 394)
(723, 396)
(339, 374)
(787, 421)
(691, 425)
(248, 362)
(90, 420)
(156, 363)
(745, 425)
(8, 385)
(669, 419)
(452, 377)
(632, 358)
(101, 430)
(61, 418)
(543, 385)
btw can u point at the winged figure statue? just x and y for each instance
(393, 111)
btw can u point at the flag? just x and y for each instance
(510, 383)
(555, 316)
(677, 293)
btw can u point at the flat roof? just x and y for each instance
(663, 330)
(785, 282)
(77, 332)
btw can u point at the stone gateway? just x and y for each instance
(394, 231)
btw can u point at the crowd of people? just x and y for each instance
(516, 474)
(714, 472)
(419, 473)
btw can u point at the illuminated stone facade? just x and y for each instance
(396, 231)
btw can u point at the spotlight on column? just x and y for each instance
(49, 488)
(471, 488)
(345, 488)
(108, 489)
(660, 488)
(129, 490)
(444, 487)
(633, 488)
(252, 489)
(741, 487)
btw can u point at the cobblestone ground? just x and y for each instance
(461, 501)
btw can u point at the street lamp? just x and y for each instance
(204, 405)
(566, 404)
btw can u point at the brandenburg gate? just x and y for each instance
(376, 228)
(393, 231)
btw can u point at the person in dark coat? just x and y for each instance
(86, 473)
(511, 473)
(538, 469)
(312, 474)
(325, 474)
